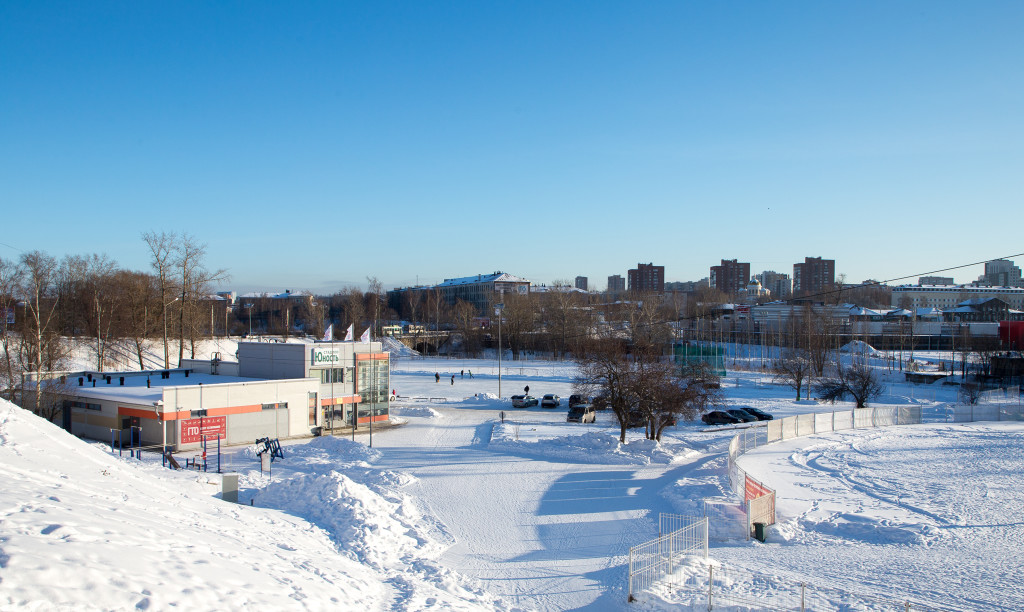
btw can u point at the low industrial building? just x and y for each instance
(274, 389)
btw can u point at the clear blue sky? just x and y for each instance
(311, 145)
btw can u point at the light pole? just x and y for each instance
(497, 310)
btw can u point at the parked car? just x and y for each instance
(600, 402)
(550, 401)
(581, 413)
(742, 415)
(578, 400)
(760, 414)
(523, 401)
(718, 417)
(636, 419)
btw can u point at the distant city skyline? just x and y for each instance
(311, 146)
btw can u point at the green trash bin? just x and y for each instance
(759, 531)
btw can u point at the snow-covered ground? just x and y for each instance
(471, 504)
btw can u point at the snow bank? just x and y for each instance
(82, 529)
(859, 347)
(589, 447)
(415, 411)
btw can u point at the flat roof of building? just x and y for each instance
(135, 391)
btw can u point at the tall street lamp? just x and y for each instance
(497, 310)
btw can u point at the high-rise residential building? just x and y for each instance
(1001, 273)
(647, 278)
(814, 275)
(581, 282)
(730, 277)
(778, 284)
(616, 284)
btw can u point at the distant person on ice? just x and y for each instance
(526, 389)
(437, 377)
(453, 379)
(471, 373)
(462, 374)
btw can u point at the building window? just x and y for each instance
(312, 409)
(278, 406)
(335, 375)
(82, 405)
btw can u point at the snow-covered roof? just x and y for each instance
(860, 311)
(135, 390)
(275, 296)
(497, 277)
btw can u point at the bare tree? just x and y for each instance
(138, 311)
(519, 321)
(374, 294)
(603, 368)
(662, 394)
(858, 381)
(42, 348)
(10, 281)
(792, 369)
(464, 316)
(161, 250)
(355, 308)
(195, 281)
(562, 317)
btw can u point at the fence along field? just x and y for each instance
(662, 563)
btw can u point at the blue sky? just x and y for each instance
(311, 145)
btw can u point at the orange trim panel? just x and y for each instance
(142, 413)
(344, 399)
(368, 356)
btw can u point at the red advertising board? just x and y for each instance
(193, 430)
(754, 489)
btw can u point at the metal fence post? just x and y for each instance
(630, 599)
(705, 538)
(711, 587)
(803, 589)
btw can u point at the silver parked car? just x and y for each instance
(581, 413)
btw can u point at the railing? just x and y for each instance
(652, 561)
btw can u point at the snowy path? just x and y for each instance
(542, 534)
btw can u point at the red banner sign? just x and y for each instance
(194, 430)
(754, 489)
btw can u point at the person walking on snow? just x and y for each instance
(462, 374)
(437, 377)
(453, 379)
(471, 373)
(526, 389)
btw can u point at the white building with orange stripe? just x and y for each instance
(275, 389)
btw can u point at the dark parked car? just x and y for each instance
(600, 402)
(717, 417)
(578, 400)
(742, 415)
(760, 414)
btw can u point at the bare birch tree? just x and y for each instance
(161, 249)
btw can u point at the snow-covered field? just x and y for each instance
(471, 504)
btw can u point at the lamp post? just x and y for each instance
(497, 310)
